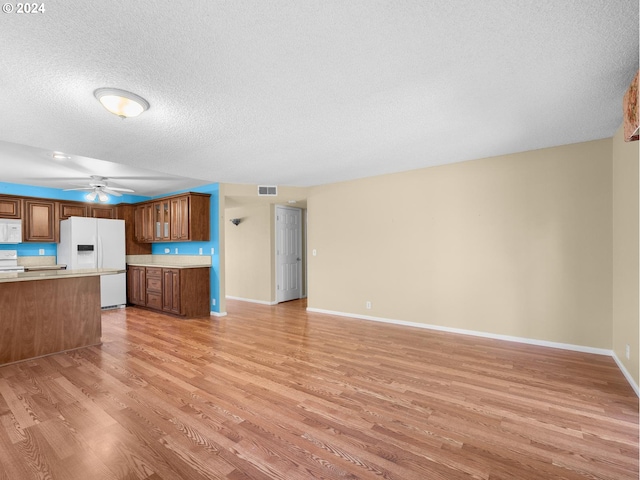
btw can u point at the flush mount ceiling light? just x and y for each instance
(120, 102)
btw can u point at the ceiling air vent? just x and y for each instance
(267, 190)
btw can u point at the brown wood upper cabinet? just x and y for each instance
(102, 211)
(127, 213)
(10, 207)
(177, 218)
(143, 218)
(161, 221)
(72, 209)
(40, 221)
(68, 209)
(180, 218)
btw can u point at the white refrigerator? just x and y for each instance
(96, 243)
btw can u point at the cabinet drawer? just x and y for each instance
(154, 272)
(154, 284)
(154, 300)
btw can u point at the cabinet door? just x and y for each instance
(72, 209)
(10, 207)
(143, 223)
(171, 290)
(138, 222)
(133, 246)
(199, 220)
(147, 223)
(40, 221)
(180, 218)
(161, 216)
(136, 285)
(102, 211)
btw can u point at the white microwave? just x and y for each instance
(10, 231)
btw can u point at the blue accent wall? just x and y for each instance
(184, 248)
(58, 194)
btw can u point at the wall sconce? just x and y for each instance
(236, 221)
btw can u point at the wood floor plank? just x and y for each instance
(276, 392)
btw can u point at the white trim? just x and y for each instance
(475, 333)
(218, 314)
(508, 338)
(626, 374)
(250, 300)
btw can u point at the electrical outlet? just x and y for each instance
(41, 251)
(368, 305)
(213, 302)
(176, 250)
(627, 351)
(314, 252)
(213, 251)
(200, 250)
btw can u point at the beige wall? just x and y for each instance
(248, 253)
(517, 245)
(625, 252)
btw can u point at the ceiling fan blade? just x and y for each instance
(111, 191)
(118, 189)
(82, 188)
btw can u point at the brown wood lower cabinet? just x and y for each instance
(153, 297)
(178, 291)
(171, 295)
(136, 285)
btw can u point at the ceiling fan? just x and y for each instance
(99, 188)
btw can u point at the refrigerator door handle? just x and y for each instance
(100, 258)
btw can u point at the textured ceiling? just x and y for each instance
(310, 92)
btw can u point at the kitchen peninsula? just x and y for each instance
(47, 312)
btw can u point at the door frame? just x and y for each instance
(301, 246)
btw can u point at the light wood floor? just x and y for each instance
(279, 393)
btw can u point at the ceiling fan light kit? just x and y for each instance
(102, 196)
(120, 102)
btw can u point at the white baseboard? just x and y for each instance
(529, 341)
(218, 314)
(475, 333)
(626, 374)
(250, 300)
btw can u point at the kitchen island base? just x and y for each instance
(43, 317)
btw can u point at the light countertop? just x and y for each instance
(169, 261)
(167, 265)
(56, 274)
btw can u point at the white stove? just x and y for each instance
(9, 261)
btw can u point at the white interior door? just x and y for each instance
(288, 253)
